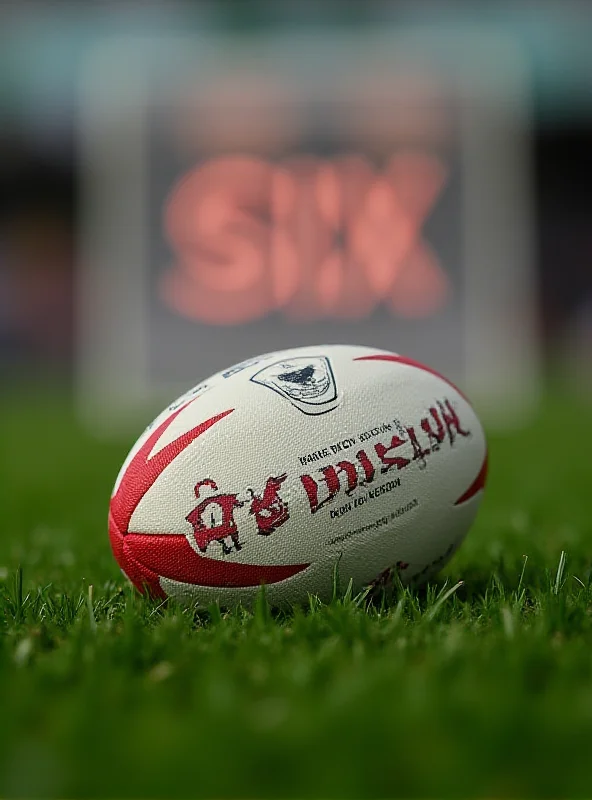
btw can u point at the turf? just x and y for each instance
(483, 690)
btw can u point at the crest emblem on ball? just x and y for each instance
(308, 383)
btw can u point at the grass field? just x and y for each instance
(484, 692)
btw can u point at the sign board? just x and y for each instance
(242, 195)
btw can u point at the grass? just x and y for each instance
(483, 691)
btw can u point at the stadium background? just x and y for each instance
(44, 47)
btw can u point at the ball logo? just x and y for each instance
(308, 383)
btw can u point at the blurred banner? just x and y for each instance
(242, 195)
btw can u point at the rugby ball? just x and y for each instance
(294, 467)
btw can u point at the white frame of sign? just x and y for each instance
(502, 360)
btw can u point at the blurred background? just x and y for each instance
(183, 186)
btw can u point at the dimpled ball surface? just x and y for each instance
(297, 468)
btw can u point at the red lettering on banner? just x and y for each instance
(309, 237)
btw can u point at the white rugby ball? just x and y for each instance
(287, 465)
